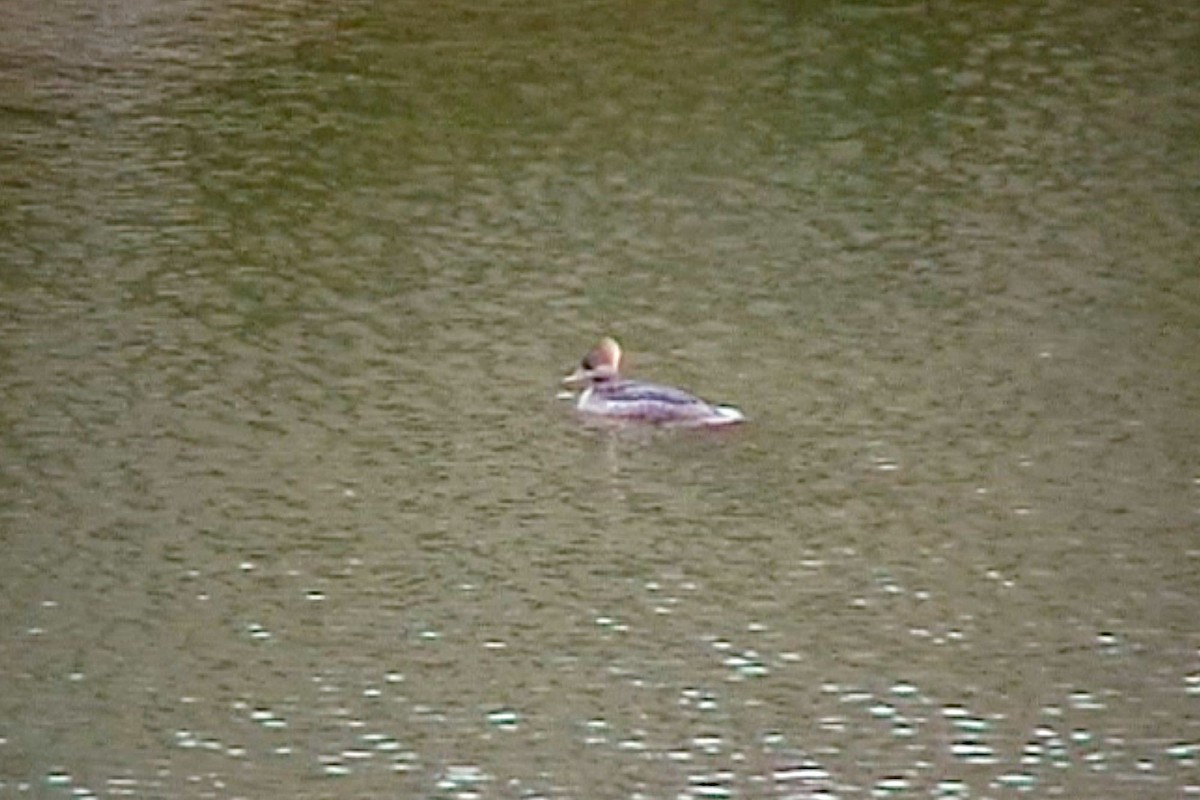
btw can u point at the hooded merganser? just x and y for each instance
(605, 393)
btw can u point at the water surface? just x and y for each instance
(288, 506)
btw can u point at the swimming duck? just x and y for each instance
(604, 393)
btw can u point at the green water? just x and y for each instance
(288, 507)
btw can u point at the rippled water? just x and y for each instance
(287, 505)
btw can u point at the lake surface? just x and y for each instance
(288, 506)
